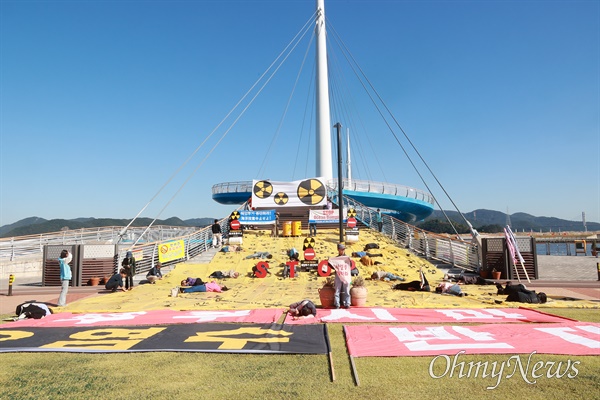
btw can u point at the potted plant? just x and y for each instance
(94, 281)
(358, 292)
(483, 273)
(496, 274)
(327, 293)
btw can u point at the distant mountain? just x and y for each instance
(478, 218)
(24, 222)
(35, 225)
(518, 221)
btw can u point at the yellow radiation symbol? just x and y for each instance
(309, 243)
(235, 215)
(263, 189)
(281, 199)
(351, 213)
(311, 191)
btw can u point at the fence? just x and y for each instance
(426, 244)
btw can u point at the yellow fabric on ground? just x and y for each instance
(247, 292)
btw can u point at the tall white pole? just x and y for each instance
(324, 166)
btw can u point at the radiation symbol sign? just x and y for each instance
(311, 191)
(309, 243)
(235, 215)
(263, 189)
(351, 212)
(281, 199)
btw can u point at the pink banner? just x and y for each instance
(426, 315)
(154, 317)
(575, 338)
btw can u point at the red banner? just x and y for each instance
(574, 338)
(419, 315)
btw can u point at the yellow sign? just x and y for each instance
(170, 251)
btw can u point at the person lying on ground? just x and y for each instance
(450, 288)
(260, 254)
(519, 293)
(207, 287)
(385, 276)
(468, 280)
(230, 248)
(302, 308)
(155, 273)
(367, 261)
(192, 281)
(116, 281)
(414, 286)
(224, 274)
(360, 254)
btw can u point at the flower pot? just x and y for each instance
(483, 273)
(496, 275)
(358, 296)
(327, 296)
(94, 281)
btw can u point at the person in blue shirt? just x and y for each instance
(116, 281)
(155, 273)
(379, 220)
(65, 276)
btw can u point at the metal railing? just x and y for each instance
(14, 248)
(348, 184)
(383, 188)
(426, 244)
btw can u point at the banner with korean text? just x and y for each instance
(575, 338)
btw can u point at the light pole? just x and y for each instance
(338, 126)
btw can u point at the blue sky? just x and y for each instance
(102, 101)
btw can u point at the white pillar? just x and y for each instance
(324, 166)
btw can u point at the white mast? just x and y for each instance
(348, 161)
(323, 152)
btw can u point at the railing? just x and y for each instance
(232, 187)
(426, 244)
(383, 188)
(352, 184)
(14, 248)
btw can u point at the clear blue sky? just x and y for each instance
(102, 101)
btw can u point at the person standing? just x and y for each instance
(217, 235)
(312, 227)
(65, 276)
(342, 264)
(379, 220)
(129, 265)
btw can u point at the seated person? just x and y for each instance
(154, 274)
(116, 281)
(206, 287)
(360, 254)
(224, 274)
(414, 286)
(302, 308)
(260, 254)
(293, 254)
(519, 293)
(192, 282)
(450, 288)
(385, 276)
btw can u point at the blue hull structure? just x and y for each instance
(401, 202)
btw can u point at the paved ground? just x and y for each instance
(561, 277)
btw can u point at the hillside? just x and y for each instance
(35, 225)
(518, 221)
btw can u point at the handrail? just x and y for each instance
(429, 245)
(349, 184)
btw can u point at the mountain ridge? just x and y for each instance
(478, 218)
